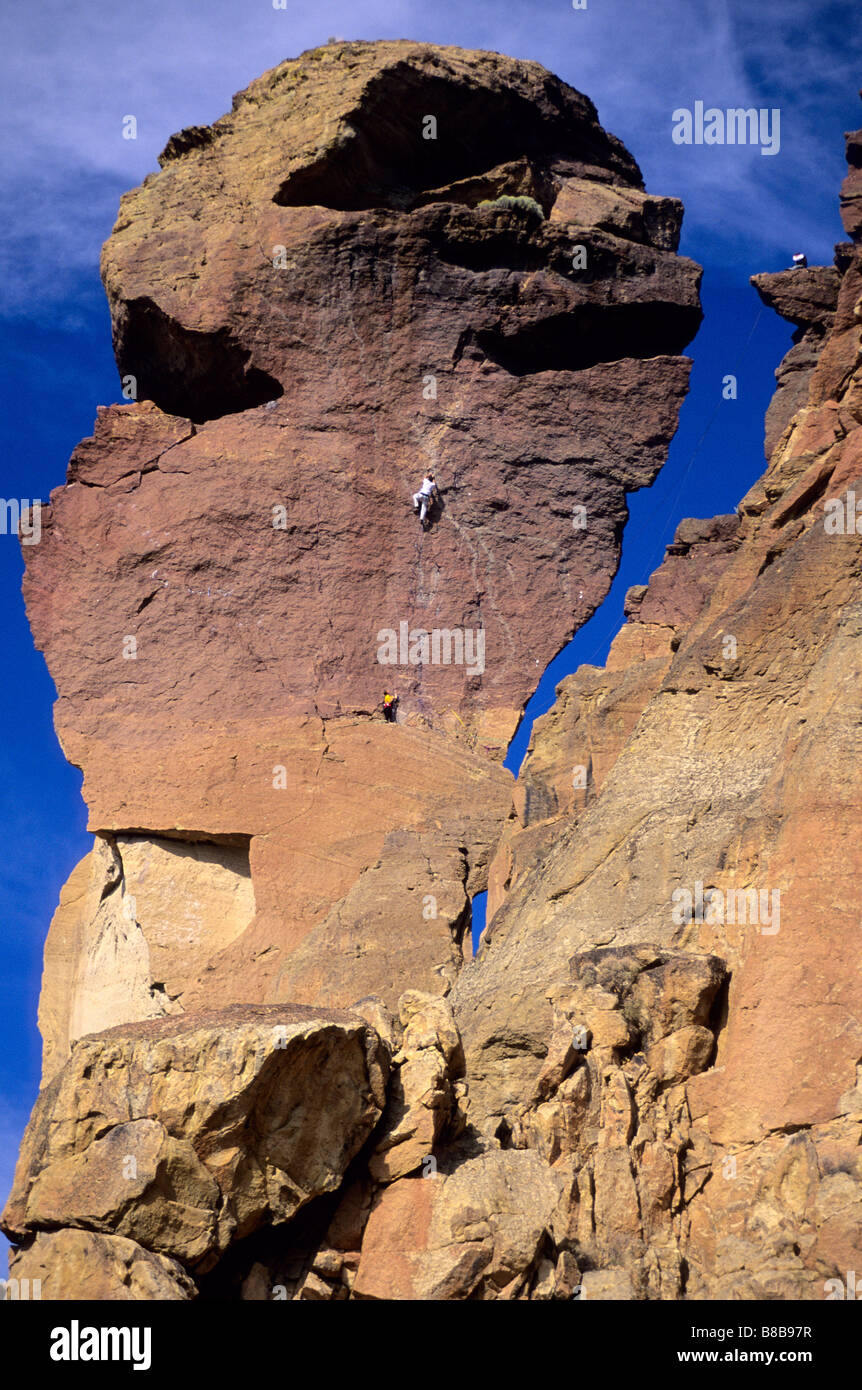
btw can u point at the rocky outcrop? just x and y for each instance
(807, 298)
(424, 1099)
(722, 827)
(184, 1136)
(476, 1232)
(72, 1265)
(270, 1073)
(386, 258)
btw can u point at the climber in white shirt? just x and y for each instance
(426, 495)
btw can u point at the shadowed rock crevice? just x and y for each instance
(589, 335)
(514, 236)
(257, 1267)
(376, 160)
(201, 376)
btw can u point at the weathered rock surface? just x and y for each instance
(807, 297)
(574, 746)
(425, 1090)
(851, 189)
(475, 1232)
(73, 1265)
(723, 824)
(530, 357)
(138, 920)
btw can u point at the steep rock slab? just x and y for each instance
(405, 922)
(574, 746)
(851, 189)
(186, 1134)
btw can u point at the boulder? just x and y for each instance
(185, 1134)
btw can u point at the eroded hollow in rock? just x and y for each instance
(589, 335)
(199, 376)
(380, 163)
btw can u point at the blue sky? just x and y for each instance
(72, 71)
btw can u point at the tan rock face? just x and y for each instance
(851, 189)
(72, 1265)
(474, 1233)
(425, 1091)
(406, 921)
(725, 822)
(608, 1106)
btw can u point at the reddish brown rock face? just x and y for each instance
(321, 289)
(387, 259)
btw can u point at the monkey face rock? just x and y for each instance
(387, 259)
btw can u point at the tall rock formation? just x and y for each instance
(370, 267)
(268, 1072)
